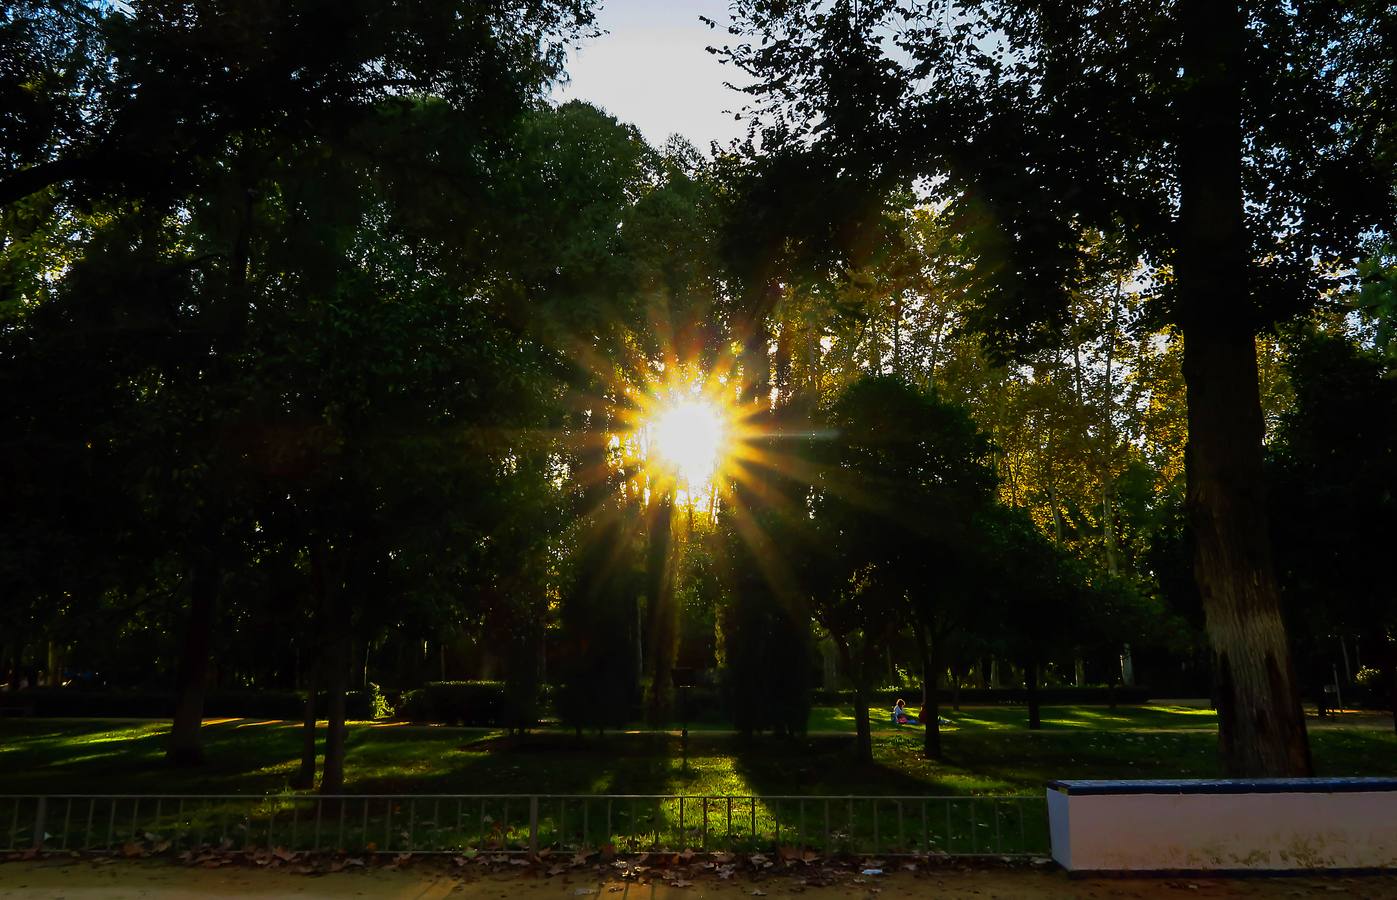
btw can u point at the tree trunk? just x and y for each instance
(858, 675)
(1391, 678)
(664, 619)
(305, 778)
(1261, 726)
(186, 745)
(931, 707)
(328, 580)
(1035, 717)
(336, 684)
(863, 745)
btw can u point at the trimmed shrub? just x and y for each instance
(242, 704)
(456, 703)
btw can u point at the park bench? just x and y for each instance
(1266, 824)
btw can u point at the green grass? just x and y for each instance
(987, 751)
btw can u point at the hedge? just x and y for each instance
(1048, 696)
(454, 703)
(242, 704)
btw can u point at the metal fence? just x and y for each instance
(462, 823)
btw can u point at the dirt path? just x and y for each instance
(162, 881)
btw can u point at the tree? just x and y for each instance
(902, 478)
(1038, 120)
(1335, 489)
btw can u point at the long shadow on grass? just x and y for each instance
(103, 757)
(649, 787)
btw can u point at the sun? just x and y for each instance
(688, 435)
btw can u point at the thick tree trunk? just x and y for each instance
(305, 778)
(186, 745)
(1261, 726)
(1035, 712)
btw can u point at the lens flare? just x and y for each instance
(688, 435)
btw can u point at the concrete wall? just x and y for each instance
(1274, 825)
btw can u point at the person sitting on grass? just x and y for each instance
(901, 716)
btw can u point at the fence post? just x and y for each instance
(39, 823)
(533, 826)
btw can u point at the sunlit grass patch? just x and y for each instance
(988, 751)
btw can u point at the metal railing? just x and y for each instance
(526, 823)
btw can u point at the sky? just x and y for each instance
(652, 70)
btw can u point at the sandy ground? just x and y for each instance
(163, 881)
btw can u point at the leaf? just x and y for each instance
(283, 854)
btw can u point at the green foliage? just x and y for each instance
(1334, 492)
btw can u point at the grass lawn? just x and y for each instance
(987, 751)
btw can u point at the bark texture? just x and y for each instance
(1261, 726)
